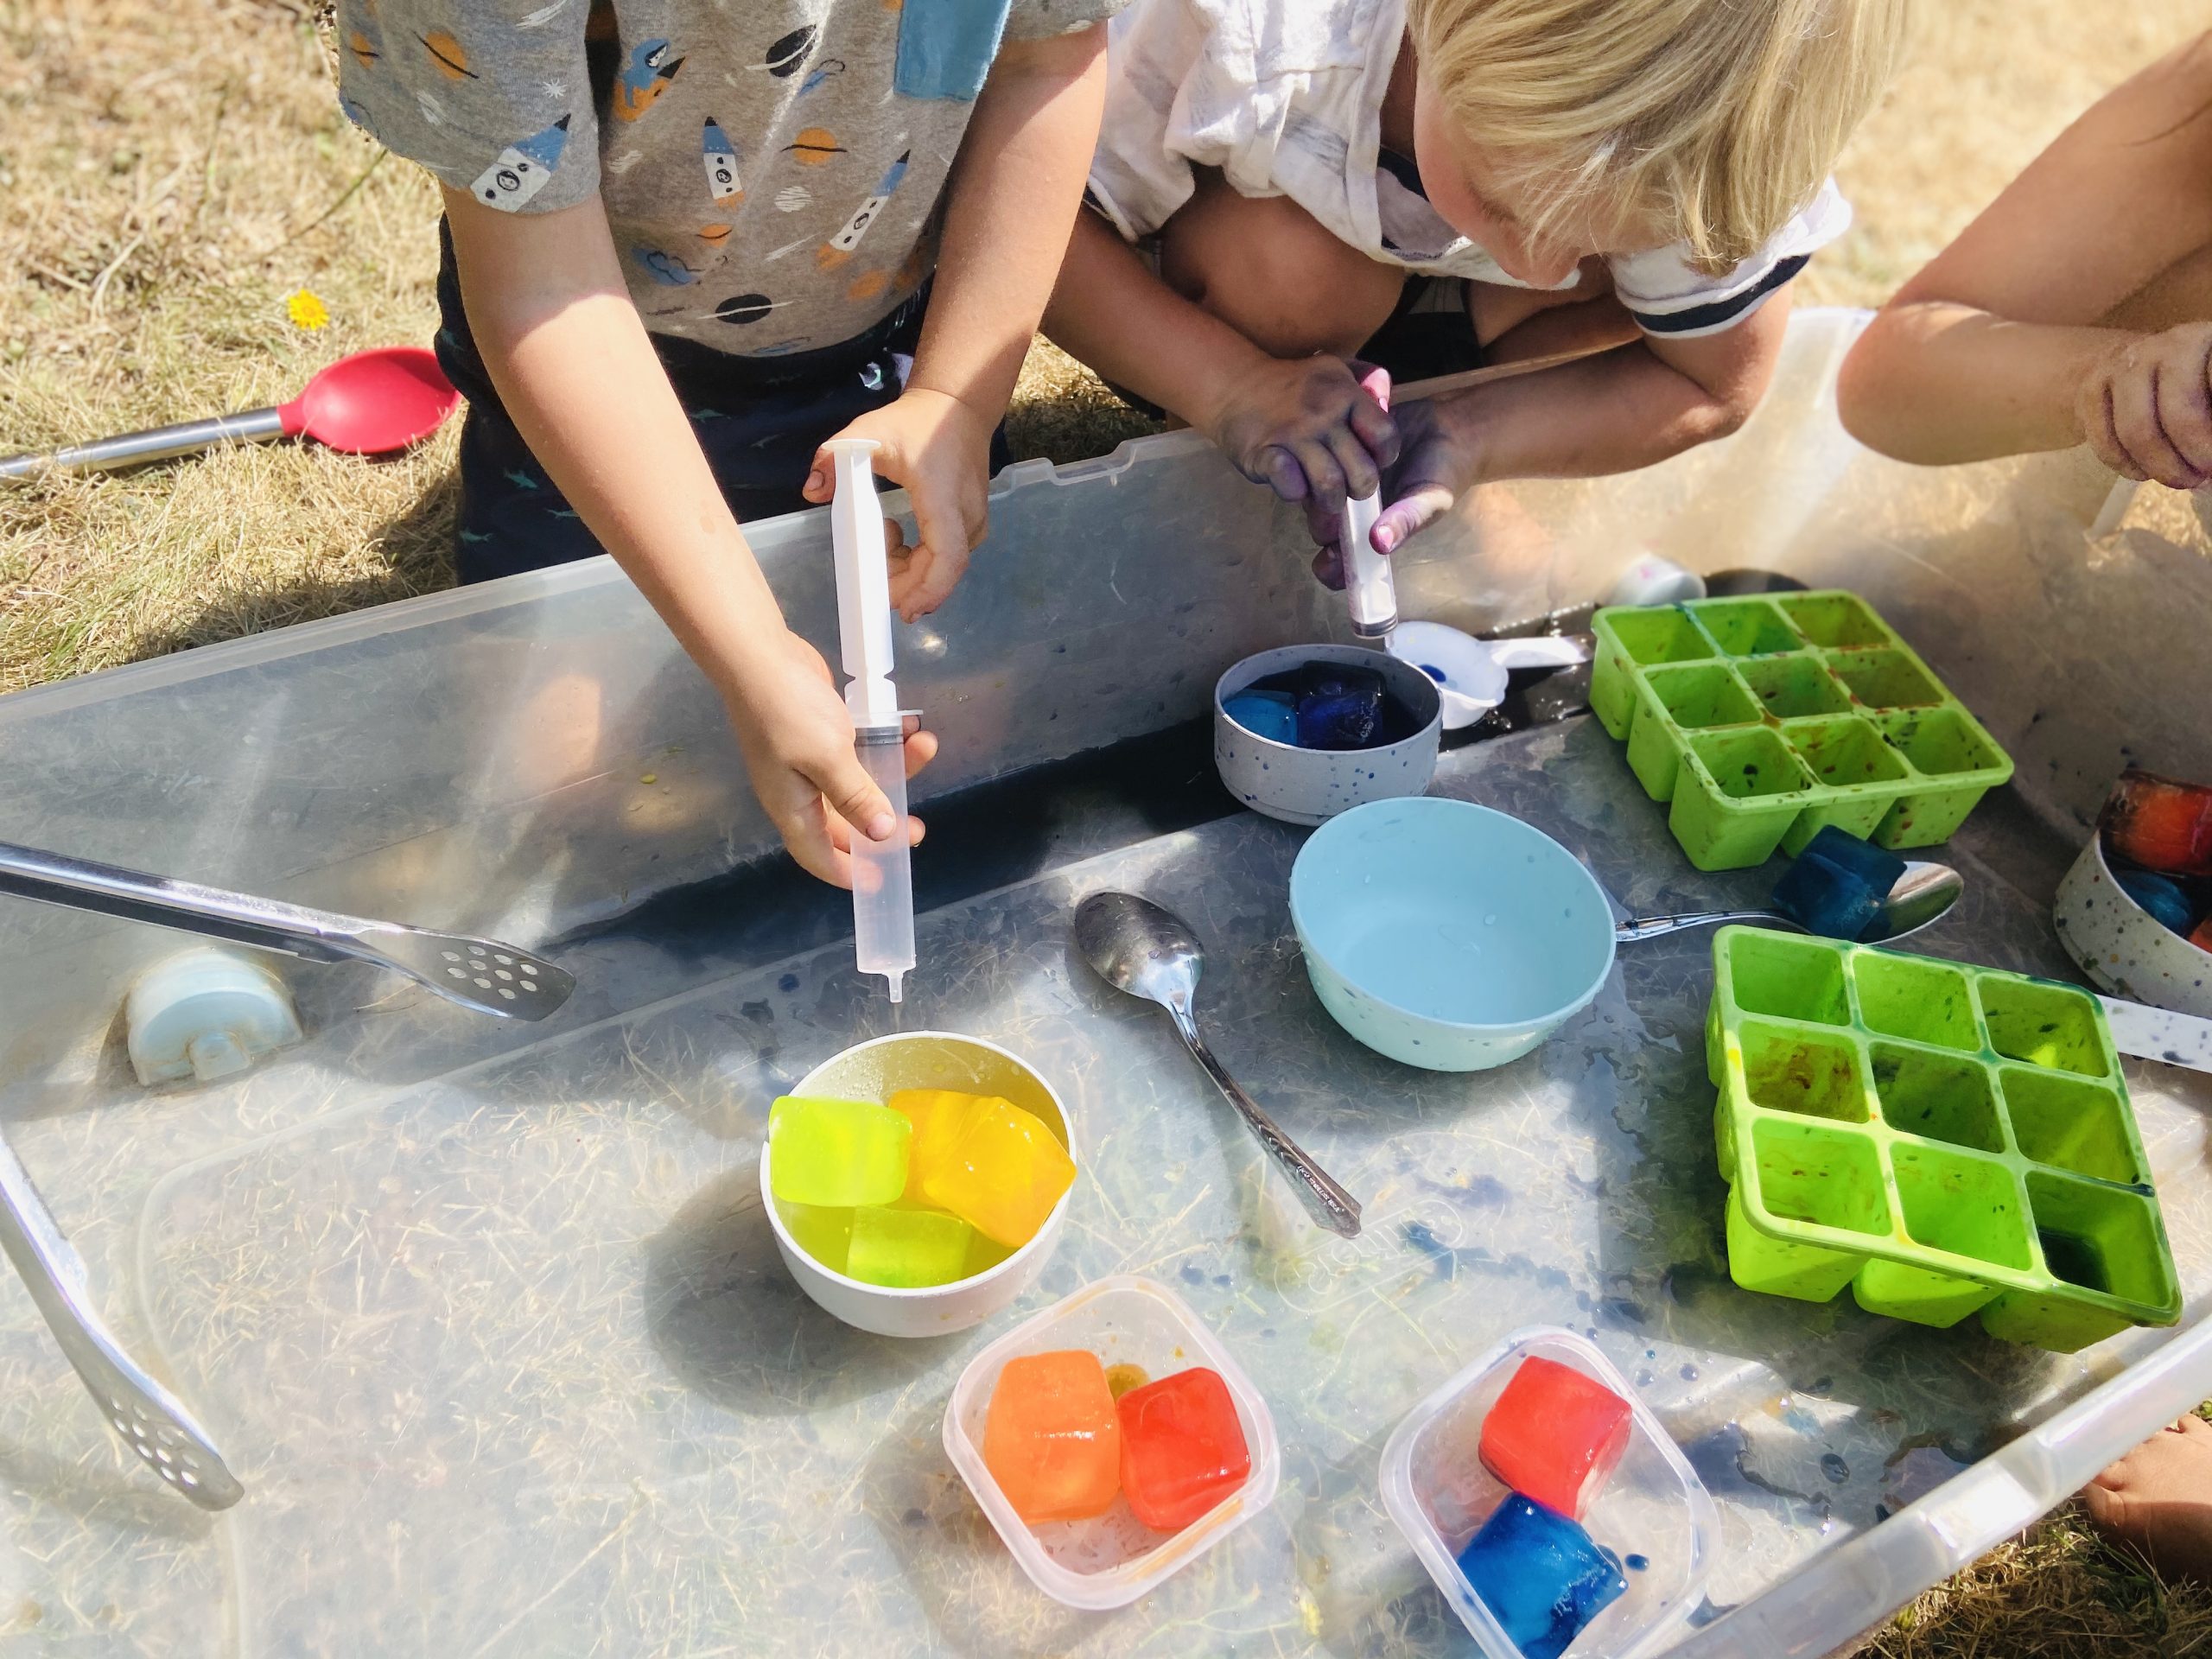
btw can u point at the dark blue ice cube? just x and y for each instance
(1271, 714)
(1341, 710)
(1541, 1575)
(1825, 899)
(1878, 866)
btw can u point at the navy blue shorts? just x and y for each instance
(758, 421)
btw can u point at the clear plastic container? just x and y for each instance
(1112, 1559)
(1652, 1511)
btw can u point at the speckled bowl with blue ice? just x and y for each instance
(1312, 785)
(1446, 935)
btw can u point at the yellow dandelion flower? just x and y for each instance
(306, 310)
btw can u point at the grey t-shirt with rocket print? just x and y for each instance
(770, 170)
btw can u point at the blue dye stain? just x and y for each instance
(1689, 1373)
(1636, 1563)
(1433, 672)
(1419, 1235)
(1193, 1273)
(788, 982)
(1834, 1468)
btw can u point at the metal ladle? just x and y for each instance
(1137, 947)
(1921, 897)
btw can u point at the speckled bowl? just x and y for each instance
(1311, 786)
(1446, 935)
(2122, 947)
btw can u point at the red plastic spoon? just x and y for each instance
(370, 403)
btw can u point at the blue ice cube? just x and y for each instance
(1270, 714)
(1540, 1575)
(1825, 899)
(1341, 710)
(1878, 866)
(2166, 900)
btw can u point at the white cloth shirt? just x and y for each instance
(1285, 97)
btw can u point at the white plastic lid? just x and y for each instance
(1112, 1559)
(1653, 1508)
(205, 1013)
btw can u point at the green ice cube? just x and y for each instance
(836, 1154)
(908, 1248)
(825, 1234)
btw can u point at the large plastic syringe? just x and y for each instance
(1370, 590)
(883, 883)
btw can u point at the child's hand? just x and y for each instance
(938, 449)
(2146, 408)
(798, 743)
(1437, 463)
(1313, 429)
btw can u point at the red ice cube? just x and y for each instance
(1554, 1436)
(2160, 824)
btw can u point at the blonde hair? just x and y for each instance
(1714, 120)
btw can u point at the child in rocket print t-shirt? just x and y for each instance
(831, 218)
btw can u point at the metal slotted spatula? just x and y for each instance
(479, 974)
(151, 1421)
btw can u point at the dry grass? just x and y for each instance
(166, 172)
(2059, 1594)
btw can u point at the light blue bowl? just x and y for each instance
(1446, 935)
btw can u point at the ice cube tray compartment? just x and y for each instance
(1760, 722)
(1946, 1140)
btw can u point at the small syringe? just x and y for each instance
(1369, 590)
(883, 884)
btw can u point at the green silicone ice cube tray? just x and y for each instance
(1946, 1140)
(1763, 720)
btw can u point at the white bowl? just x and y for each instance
(1311, 786)
(2124, 948)
(876, 1071)
(1112, 1559)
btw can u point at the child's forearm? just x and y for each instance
(1616, 411)
(1936, 383)
(1010, 203)
(1112, 312)
(565, 346)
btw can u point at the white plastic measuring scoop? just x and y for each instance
(883, 882)
(1470, 673)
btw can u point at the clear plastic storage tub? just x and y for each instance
(1111, 1560)
(1652, 1511)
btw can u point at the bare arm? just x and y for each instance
(1305, 427)
(1988, 350)
(565, 346)
(1610, 413)
(1010, 201)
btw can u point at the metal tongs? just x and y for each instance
(479, 974)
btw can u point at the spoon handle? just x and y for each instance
(1329, 1204)
(1652, 927)
(162, 443)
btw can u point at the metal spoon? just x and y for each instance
(1135, 946)
(1923, 895)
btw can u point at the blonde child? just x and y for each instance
(686, 245)
(1637, 180)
